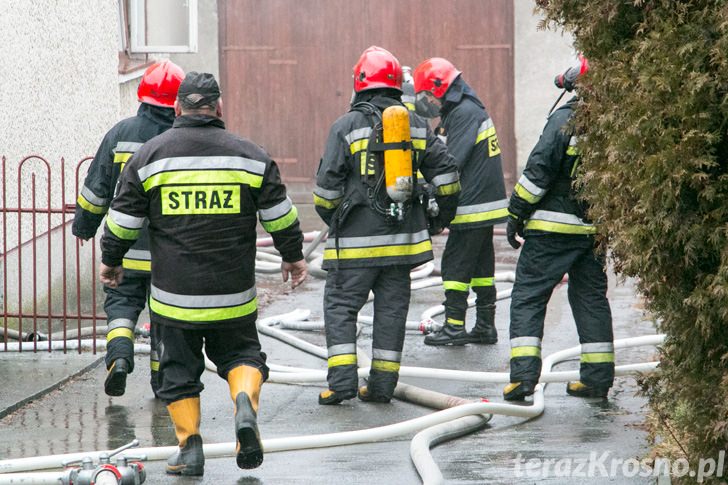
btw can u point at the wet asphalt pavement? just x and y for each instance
(79, 416)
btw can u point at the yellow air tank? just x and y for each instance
(397, 162)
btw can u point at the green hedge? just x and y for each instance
(655, 171)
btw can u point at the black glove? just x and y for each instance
(434, 226)
(515, 226)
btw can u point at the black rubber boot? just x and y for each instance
(579, 389)
(517, 391)
(250, 450)
(329, 397)
(115, 384)
(484, 331)
(448, 335)
(189, 460)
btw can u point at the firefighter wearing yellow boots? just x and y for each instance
(468, 261)
(157, 93)
(559, 239)
(202, 190)
(377, 224)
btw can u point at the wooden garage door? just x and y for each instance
(286, 65)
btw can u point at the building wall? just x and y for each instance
(58, 61)
(539, 56)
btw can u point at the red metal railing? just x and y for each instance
(25, 316)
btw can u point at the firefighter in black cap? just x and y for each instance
(202, 190)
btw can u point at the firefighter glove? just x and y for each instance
(515, 226)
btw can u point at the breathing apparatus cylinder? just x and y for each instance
(397, 161)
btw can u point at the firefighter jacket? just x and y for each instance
(359, 236)
(119, 144)
(201, 188)
(544, 196)
(471, 139)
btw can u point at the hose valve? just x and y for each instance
(428, 326)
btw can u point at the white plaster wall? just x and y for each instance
(539, 56)
(59, 93)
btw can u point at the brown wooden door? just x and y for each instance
(286, 65)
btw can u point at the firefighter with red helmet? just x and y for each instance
(157, 92)
(468, 261)
(377, 233)
(559, 239)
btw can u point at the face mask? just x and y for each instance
(425, 107)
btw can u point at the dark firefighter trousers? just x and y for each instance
(541, 266)
(123, 305)
(468, 262)
(345, 294)
(181, 361)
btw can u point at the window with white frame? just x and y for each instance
(160, 26)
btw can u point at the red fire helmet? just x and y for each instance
(160, 83)
(377, 68)
(435, 75)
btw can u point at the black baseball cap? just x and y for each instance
(198, 89)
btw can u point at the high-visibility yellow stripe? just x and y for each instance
(136, 264)
(122, 157)
(482, 281)
(343, 359)
(325, 203)
(524, 194)
(485, 134)
(385, 366)
(410, 106)
(597, 357)
(121, 232)
(456, 285)
(203, 177)
(453, 321)
(120, 332)
(203, 314)
(526, 352)
(95, 209)
(559, 227)
(154, 365)
(359, 145)
(418, 144)
(281, 222)
(480, 216)
(449, 189)
(379, 252)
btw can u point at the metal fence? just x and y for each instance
(49, 293)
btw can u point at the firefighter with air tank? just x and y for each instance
(377, 224)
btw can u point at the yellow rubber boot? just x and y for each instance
(245, 383)
(189, 458)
